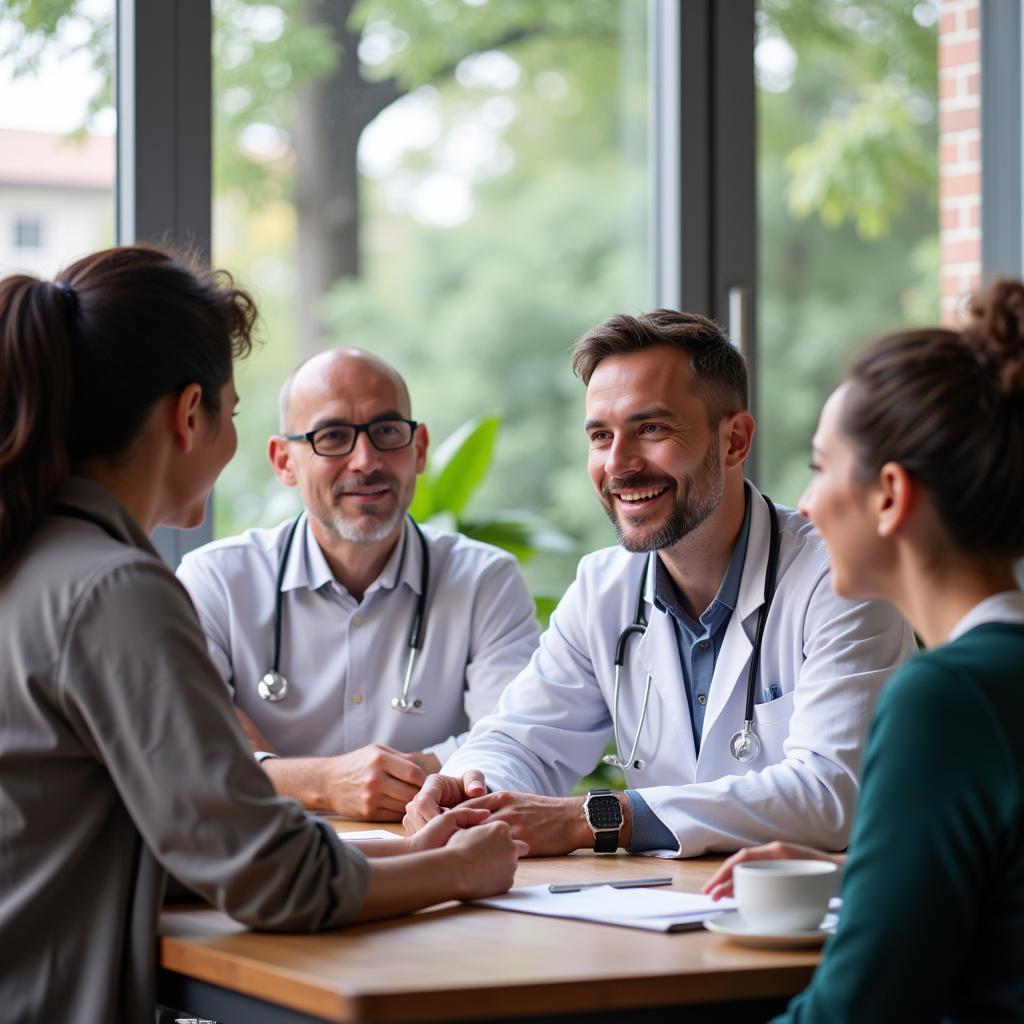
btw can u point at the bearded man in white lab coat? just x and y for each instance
(669, 433)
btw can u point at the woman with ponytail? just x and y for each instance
(918, 492)
(120, 755)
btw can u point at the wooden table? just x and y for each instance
(463, 963)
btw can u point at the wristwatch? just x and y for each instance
(603, 814)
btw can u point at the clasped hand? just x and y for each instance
(549, 826)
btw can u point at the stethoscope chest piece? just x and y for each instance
(745, 745)
(273, 687)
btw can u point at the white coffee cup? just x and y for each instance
(784, 895)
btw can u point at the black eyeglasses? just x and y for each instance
(340, 438)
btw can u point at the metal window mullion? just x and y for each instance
(164, 162)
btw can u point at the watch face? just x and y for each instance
(604, 812)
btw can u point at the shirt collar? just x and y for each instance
(307, 564)
(1005, 607)
(95, 500)
(666, 597)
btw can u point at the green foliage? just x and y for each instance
(862, 167)
(604, 776)
(428, 40)
(866, 87)
(262, 55)
(38, 26)
(457, 468)
(453, 474)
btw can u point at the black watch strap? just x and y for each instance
(606, 842)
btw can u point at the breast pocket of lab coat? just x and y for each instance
(771, 723)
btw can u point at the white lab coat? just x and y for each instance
(829, 657)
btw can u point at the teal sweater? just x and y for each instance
(932, 924)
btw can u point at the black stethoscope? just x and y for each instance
(274, 686)
(745, 746)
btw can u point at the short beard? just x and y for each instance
(343, 529)
(702, 496)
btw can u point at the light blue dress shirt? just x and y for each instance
(345, 659)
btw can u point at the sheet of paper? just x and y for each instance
(367, 834)
(654, 909)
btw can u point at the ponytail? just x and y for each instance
(35, 395)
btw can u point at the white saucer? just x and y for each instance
(737, 929)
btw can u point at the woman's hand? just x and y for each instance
(720, 883)
(487, 858)
(439, 830)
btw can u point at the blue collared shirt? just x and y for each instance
(699, 641)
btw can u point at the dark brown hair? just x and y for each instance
(83, 360)
(716, 363)
(948, 406)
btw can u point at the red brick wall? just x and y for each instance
(959, 152)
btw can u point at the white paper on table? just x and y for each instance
(657, 910)
(368, 834)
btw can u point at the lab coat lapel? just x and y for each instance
(729, 682)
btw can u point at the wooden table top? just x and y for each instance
(456, 962)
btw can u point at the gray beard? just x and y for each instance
(343, 529)
(703, 494)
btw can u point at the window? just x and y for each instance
(848, 195)
(461, 188)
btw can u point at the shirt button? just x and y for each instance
(702, 698)
(357, 698)
(704, 645)
(357, 620)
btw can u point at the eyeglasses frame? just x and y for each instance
(359, 428)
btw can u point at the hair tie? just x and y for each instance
(71, 296)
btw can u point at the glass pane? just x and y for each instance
(459, 186)
(57, 123)
(848, 183)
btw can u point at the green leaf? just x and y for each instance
(546, 604)
(519, 533)
(460, 463)
(422, 506)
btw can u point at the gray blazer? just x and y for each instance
(121, 760)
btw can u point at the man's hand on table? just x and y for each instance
(373, 783)
(548, 826)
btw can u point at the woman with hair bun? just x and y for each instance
(918, 492)
(120, 756)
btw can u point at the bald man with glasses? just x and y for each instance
(390, 640)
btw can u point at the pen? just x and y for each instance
(615, 883)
